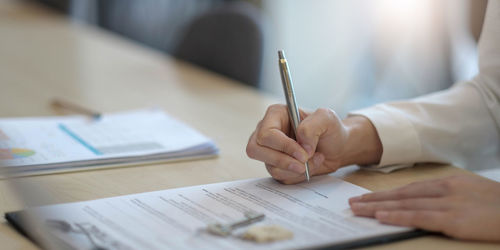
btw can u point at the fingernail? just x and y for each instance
(296, 168)
(308, 149)
(358, 206)
(354, 199)
(300, 157)
(318, 159)
(381, 215)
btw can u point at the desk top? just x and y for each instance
(44, 55)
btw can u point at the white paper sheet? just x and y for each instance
(493, 174)
(316, 212)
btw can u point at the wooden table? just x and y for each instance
(44, 55)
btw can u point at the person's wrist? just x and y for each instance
(363, 145)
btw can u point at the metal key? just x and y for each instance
(226, 229)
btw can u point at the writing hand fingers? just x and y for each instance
(273, 157)
(284, 176)
(277, 140)
(271, 133)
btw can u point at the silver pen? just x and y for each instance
(293, 109)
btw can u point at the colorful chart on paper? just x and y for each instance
(15, 153)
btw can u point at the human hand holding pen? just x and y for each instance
(322, 138)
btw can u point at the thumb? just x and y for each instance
(312, 128)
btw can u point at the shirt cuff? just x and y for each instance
(400, 142)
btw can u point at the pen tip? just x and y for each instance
(281, 54)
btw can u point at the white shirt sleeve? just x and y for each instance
(458, 126)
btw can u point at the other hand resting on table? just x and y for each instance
(463, 207)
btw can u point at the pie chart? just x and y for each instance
(15, 153)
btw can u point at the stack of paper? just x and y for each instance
(31, 146)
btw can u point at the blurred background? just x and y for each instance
(343, 55)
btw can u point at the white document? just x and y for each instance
(493, 174)
(31, 145)
(317, 213)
